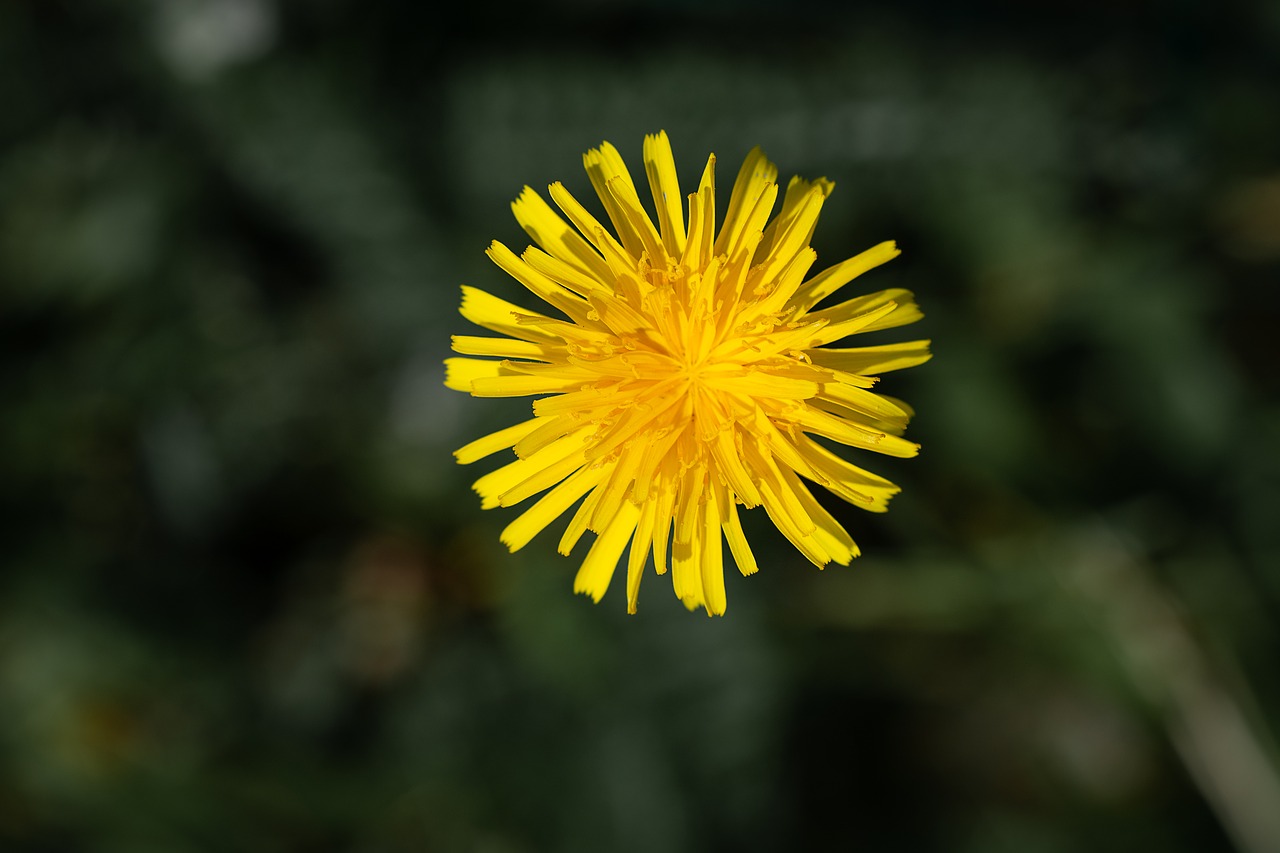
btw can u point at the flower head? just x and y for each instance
(689, 375)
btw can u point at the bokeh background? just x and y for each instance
(249, 602)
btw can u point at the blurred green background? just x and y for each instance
(249, 602)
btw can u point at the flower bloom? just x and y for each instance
(689, 375)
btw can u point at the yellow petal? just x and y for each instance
(660, 168)
(702, 218)
(727, 456)
(639, 555)
(495, 441)
(551, 292)
(758, 384)
(828, 533)
(656, 453)
(687, 511)
(686, 575)
(780, 445)
(855, 485)
(712, 558)
(798, 190)
(855, 435)
(549, 430)
(894, 426)
(778, 500)
(741, 245)
(555, 235)
(498, 315)
(628, 204)
(756, 173)
(662, 521)
(602, 560)
(581, 401)
(834, 331)
(774, 506)
(493, 485)
(738, 546)
(904, 311)
(586, 223)
(862, 400)
(520, 386)
(617, 486)
(620, 317)
(542, 479)
(788, 279)
(460, 373)
(872, 361)
(501, 347)
(578, 524)
(794, 238)
(551, 506)
(833, 278)
(574, 279)
(603, 164)
(631, 423)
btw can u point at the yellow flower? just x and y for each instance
(689, 376)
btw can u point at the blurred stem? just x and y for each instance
(1224, 753)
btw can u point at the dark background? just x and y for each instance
(249, 602)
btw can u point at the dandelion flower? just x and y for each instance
(688, 376)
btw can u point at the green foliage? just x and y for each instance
(250, 603)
